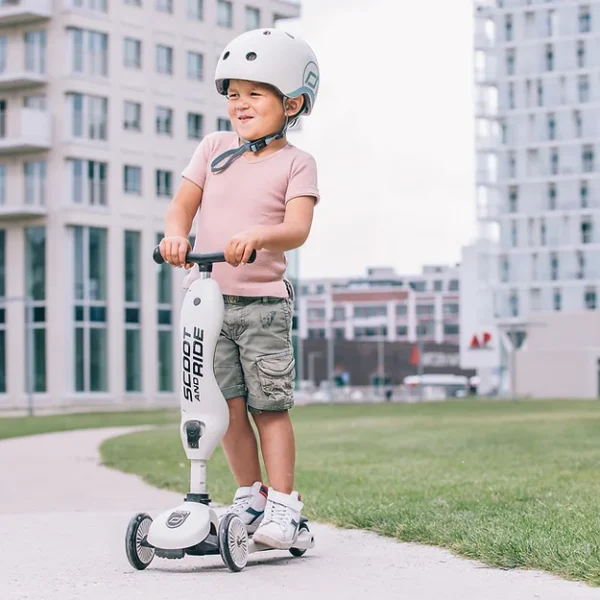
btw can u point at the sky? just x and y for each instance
(392, 133)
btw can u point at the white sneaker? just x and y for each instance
(249, 504)
(279, 527)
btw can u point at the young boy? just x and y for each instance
(253, 190)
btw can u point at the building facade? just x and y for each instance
(538, 95)
(537, 115)
(383, 305)
(101, 106)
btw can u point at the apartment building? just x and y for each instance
(383, 305)
(537, 74)
(102, 103)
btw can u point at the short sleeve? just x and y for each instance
(303, 179)
(198, 165)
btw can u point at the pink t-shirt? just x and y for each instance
(247, 193)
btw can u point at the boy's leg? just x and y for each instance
(267, 359)
(239, 442)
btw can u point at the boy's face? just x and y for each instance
(255, 109)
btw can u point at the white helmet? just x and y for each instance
(273, 57)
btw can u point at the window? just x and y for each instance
(3, 46)
(164, 59)
(549, 57)
(552, 23)
(35, 101)
(587, 158)
(577, 123)
(35, 277)
(451, 309)
(554, 161)
(425, 329)
(402, 330)
(35, 182)
(224, 13)
(2, 312)
(510, 61)
(88, 181)
(554, 266)
(425, 309)
(132, 116)
(132, 53)
(542, 232)
(556, 299)
(224, 125)
(551, 196)
(370, 311)
(88, 116)
(580, 54)
(165, 326)
(580, 274)
(508, 28)
(451, 329)
(583, 85)
(586, 230)
(438, 285)
(164, 183)
(339, 313)
(590, 298)
(195, 66)
(454, 285)
(133, 307)
(585, 19)
(583, 194)
(35, 52)
(551, 126)
(195, 9)
(401, 310)
(504, 269)
(252, 18)
(195, 126)
(512, 164)
(133, 2)
(2, 187)
(164, 6)
(514, 234)
(315, 314)
(132, 179)
(164, 120)
(96, 5)
(89, 309)
(89, 51)
(513, 302)
(540, 92)
(511, 95)
(513, 198)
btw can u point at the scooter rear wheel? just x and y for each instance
(233, 542)
(139, 555)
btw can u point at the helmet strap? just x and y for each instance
(252, 145)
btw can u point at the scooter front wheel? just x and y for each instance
(233, 542)
(138, 553)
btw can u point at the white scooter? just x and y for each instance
(193, 527)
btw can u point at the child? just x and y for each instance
(253, 190)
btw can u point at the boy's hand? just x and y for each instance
(174, 250)
(240, 246)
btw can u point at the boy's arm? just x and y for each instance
(178, 222)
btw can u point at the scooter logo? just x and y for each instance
(177, 518)
(193, 363)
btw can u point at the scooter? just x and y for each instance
(193, 527)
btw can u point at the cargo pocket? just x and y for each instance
(276, 374)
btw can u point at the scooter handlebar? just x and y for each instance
(199, 259)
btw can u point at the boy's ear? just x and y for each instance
(293, 106)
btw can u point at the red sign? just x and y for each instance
(482, 341)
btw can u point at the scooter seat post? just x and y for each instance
(198, 476)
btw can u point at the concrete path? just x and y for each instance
(63, 518)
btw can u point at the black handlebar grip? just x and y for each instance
(252, 257)
(157, 256)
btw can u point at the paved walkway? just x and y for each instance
(63, 518)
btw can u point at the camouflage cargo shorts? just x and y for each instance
(254, 357)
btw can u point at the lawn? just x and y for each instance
(18, 426)
(512, 484)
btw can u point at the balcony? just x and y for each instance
(27, 130)
(20, 12)
(18, 208)
(20, 80)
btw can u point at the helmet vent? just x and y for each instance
(266, 32)
(226, 55)
(251, 56)
(290, 35)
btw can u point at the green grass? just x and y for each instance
(18, 426)
(512, 484)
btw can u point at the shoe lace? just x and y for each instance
(278, 513)
(240, 504)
